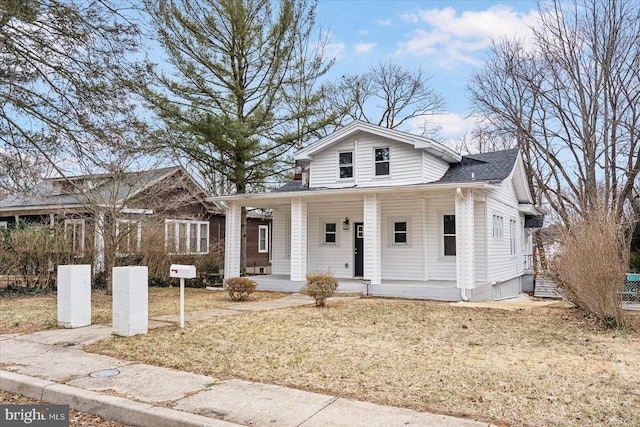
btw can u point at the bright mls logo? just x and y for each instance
(34, 415)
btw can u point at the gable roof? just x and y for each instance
(95, 187)
(419, 142)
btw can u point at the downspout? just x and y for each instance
(463, 291)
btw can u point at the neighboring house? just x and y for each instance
(395, 214)
(169, 198)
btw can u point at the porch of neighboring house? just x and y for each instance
(440, 290)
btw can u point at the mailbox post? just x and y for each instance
(182, 272)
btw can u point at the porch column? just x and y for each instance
(232, 240)
(465, 250)
(372, 242)
(298, 240)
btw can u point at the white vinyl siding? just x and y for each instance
(339, 256)
(184, 237)
(439, 266)
(433, 168)
(324, 170)
(3, 225)
(402, 261)
(502, 264)
(281, 241)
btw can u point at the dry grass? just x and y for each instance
(37, 313)
(548, 367)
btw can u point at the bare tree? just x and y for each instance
(572, 103)
(62, 68)
(387, 95)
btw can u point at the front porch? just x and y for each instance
(439, 290)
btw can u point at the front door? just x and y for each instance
(358, 250)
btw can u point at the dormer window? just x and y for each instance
(345, 164)
(382, 161)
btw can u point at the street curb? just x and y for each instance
(111, 407)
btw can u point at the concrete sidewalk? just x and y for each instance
(51, 366)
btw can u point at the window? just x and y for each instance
(263, 238)
(399, 231)
(3, 225)
(512, 237)
(382, 161)
(74, 233)
(345, 161)
(330, 233)
(498, 231)
(449, 235)
(128, 236)
(186, 237)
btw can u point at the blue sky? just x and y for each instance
(447, 39)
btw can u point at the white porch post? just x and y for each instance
(465, 250)
(232, 241)
(372, 242)
(298, 240)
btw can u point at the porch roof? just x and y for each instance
(295, 189)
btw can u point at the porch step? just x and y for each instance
(347, 294)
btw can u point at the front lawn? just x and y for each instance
(36, 313)
(543, 367)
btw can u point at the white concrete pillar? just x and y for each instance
(232, 240)
(372, 261)
(298, 240)
(465, 241)
(74, 296)
(130, 300)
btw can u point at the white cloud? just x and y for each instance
(334, 50)
(384, 22)
(450, 126)
(457, 38)
(364, 47)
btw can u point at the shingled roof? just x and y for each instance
(494, 167)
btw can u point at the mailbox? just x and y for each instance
(182, 271)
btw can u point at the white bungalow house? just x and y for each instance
(395, 214)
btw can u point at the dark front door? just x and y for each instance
(358, 250)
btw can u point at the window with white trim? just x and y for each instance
(512, 237)
(449, 235)
(74, 232)
(263, 239)
(345, 164)
(498, 227)
(128, 236)
(184, 237)
(399, 231)
(381, 158)
(330, 232)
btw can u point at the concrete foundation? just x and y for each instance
(74, 296)
(130, 301)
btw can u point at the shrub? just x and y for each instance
(320, 285)
(592, 264)
(239, 288)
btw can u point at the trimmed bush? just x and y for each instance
(320, 285)
(239, 288)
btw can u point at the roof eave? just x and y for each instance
(251, 197)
